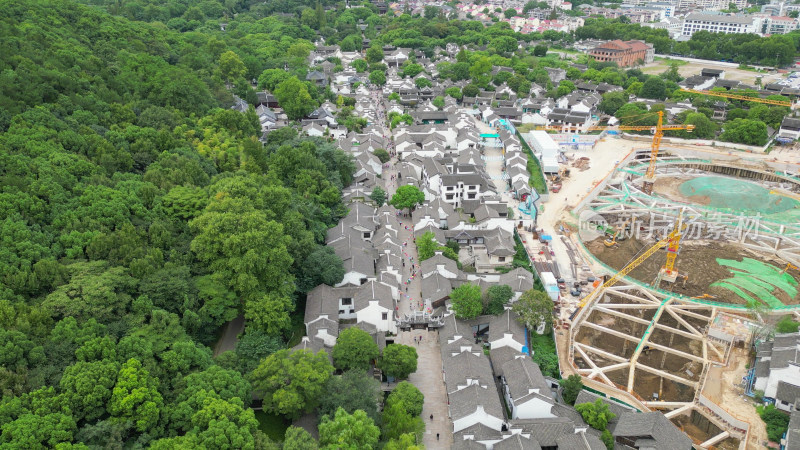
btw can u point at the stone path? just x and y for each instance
(428, 379)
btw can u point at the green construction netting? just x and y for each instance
(745, 196)
(757, 278)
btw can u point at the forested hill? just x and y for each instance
(136, 218)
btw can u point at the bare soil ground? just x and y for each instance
(722, 387)
(669, 187)
(697, 259)
(693, 68)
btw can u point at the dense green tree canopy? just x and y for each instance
(466, 301)
(291, 383)
(407, 197)
(399, 360)
(354, 349)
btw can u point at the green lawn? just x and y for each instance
(273, 426)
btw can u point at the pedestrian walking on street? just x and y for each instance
(437, 436)
(431, 417)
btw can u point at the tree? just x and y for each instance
(377, 77)
(786, 325)
(254, 346)
(596, 414)
(322, 266)
(394, 96)
(297, 438)
(38, 431)
(399, 360)
(454, 91)
(291, 383)
(378, 196)
(382, 155)
(353, 390)
(540, 50)
(480, 69)
(360, 65)
(509, 13)
(410, 69)
(353, 431)
(135, 396)
(231, 66)
(777, 421)
(292, 94)
(672, 74)
(654, 88)
(406, 441)
(608, 439)
(426, 246)
(612, 101)
(249, 253)
(535, 308)
(470, 90)
(397, 421)
(504, 45)
(407, 197)
(438, 102)
(466, 301)
(88, 386)
(422, 82)
(571, 386)
(224, 424)
(745, 131)
(354, 349)
(564, 88)
(496, 298)
(409, 395)
(374, 54)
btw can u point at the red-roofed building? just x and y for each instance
(624, 53)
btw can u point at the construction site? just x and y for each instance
(671, 240)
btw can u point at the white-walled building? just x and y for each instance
(720, 23)
(777, 370)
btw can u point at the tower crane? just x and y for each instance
(743, 97)
(658, 133)
(672, 239)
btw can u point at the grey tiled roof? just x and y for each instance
(519, 279)
(467, 366)
(522, 375)
(506, 323)
(373, 290)
(436, 287)
(787, 392)
(502, 355)
(653, 425)
(324, 300)
(793, 435)
(431, 264)
(580, 441)
(465, 401)
(545, 431)
(517, 441)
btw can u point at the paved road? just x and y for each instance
(230, 335)
(428, 379)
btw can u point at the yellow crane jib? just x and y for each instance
(617, 276)
(658, 133)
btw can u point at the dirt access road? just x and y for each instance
(721, 387)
